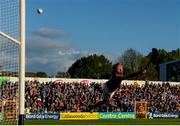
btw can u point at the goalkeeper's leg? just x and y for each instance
(105, 98)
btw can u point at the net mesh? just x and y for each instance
(9, 61)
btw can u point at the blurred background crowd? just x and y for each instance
(76, 97)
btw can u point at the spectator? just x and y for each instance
(56, 97)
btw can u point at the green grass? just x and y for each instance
(105, 122)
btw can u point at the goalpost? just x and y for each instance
(12, 61)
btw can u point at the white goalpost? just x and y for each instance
(12, 60)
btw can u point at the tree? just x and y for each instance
(131, 60)
(41, 74)
(165, 56)
(93, 66)
(62, 75)
(152, 73)
(1, 68)
(31, 74)
(175, 54)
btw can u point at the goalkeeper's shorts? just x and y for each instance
(107, 95)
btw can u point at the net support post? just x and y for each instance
(22, 62)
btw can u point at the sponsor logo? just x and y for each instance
(79, 116)
(45, 116)
(117, 115)
(164, 115)
(150, 116)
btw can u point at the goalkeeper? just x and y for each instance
(113, 83)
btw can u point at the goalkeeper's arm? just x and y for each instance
(143, 71)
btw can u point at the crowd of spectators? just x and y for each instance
(76, 97)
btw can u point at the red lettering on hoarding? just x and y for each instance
(58, 81)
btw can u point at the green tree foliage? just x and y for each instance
(134, 61)
(165, 56)
(1, 68)
(62, 75)
(93, 66)
(31, 74)
(175, 54)
(41, 74)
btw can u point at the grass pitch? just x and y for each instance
(105, 122)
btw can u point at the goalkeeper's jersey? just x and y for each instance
(115, 81)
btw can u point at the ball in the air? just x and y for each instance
(39, 10)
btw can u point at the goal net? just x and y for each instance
(11, 61)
